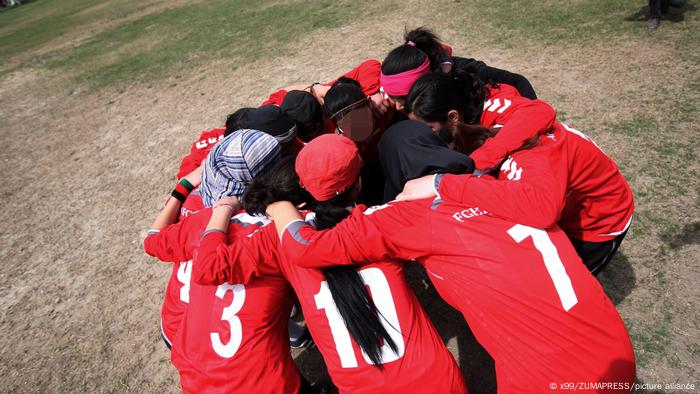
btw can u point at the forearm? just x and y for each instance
(168, 215)
(534, 118)
(528, 204)
(209, 268)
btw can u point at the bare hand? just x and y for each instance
(417, 189)
(379, 104)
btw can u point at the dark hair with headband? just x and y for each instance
(349, 292)
(435, 94)
(419, 43)
(343, 93)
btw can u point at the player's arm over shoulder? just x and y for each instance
(394, 230)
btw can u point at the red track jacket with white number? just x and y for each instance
(524, 292)
(199, 150)
(177, 292)
(421, 363)
(520, 119)
(233, 337)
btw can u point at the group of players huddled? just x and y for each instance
(319, 198)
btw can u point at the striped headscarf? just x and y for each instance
(235, 161)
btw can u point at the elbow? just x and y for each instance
(203, 278)
(203, 274)
(148, 246)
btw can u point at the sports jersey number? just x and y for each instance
(381, 295)
(229, 350)
(552, 261)
(184, 273)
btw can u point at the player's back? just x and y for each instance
(233, 337)
(421, 364)
(600, 200)
(528, 299)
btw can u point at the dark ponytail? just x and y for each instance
(429, 43)
(349, 292)
(408, 57)
(435, 94)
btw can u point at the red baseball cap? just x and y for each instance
(328, 166)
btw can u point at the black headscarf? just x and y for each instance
(410, 149)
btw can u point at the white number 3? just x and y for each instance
(552, 261)
(229, 350)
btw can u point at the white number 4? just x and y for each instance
(552, 261)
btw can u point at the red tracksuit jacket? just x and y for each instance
(422, 363)
(524, 292)
(177, 293)
(233, 337)
(566, 179)
(199, 150)
(520, 119)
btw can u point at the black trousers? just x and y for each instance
(596, 255)
(657, 7)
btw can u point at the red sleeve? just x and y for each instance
(367, 74)
(534, 196)
(215, 262)
(199, 150)
(390, 231)
(521, 119)
(171, 243)
(275, 98)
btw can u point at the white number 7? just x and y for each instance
(544, 245)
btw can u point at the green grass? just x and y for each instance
(187, 36)
(35, 23)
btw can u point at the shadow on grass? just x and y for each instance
(673, 14)
(688, 235)
(618, 278)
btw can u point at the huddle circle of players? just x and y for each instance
(319, 198)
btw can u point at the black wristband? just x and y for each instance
(178, 196)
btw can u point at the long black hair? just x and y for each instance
(349, 292)
(435, 94)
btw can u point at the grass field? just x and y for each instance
(99, 99)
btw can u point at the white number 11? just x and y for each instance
(552, 261)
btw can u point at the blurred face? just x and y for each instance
(358, 124)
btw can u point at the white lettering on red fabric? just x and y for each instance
(468, 213)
